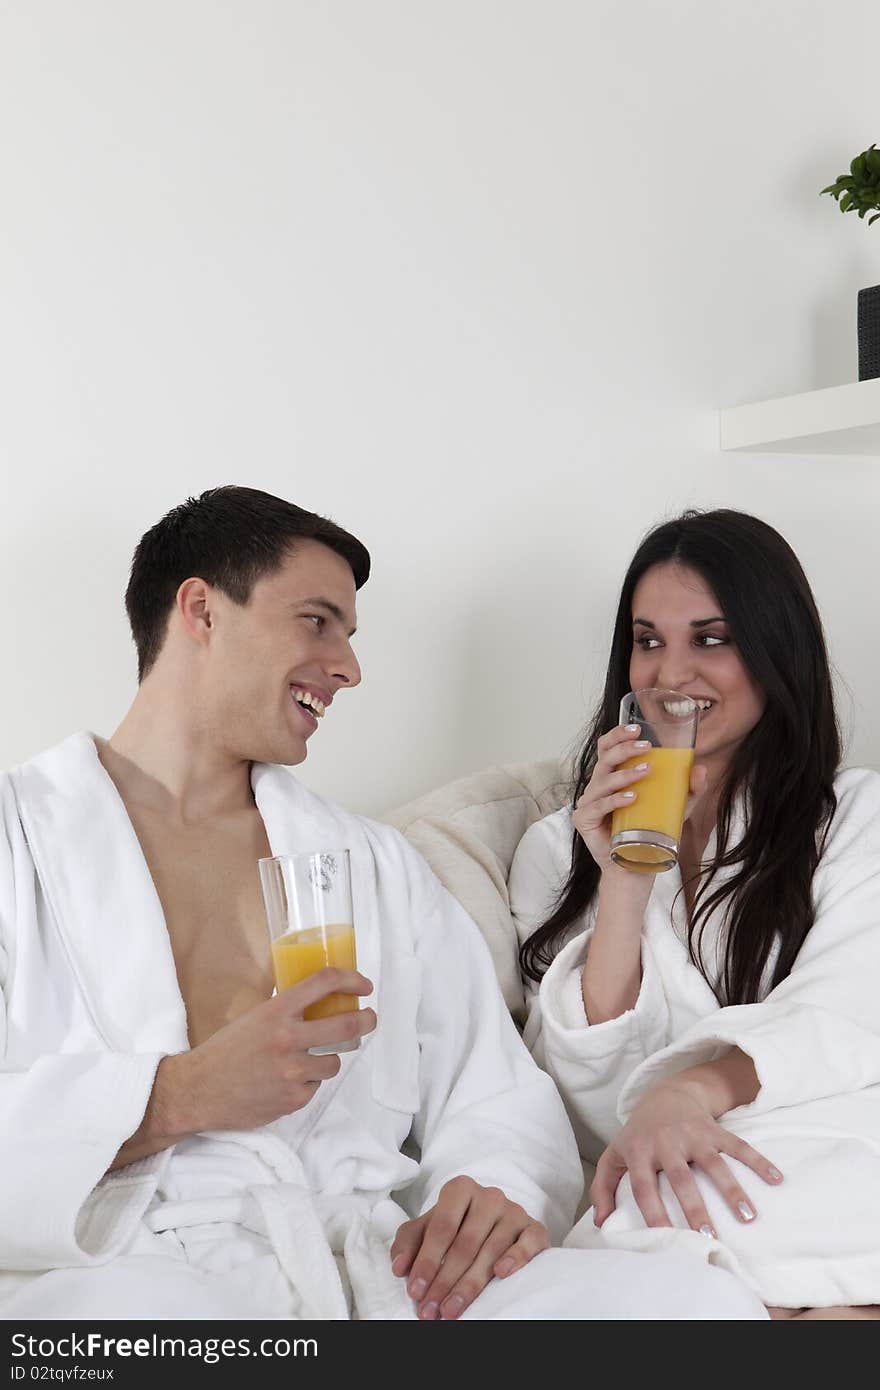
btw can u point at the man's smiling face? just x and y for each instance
(277, 662)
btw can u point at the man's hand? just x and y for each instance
(259, 1066)
(253, 1070)
(451, 1253)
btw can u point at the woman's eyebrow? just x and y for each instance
(696, 622)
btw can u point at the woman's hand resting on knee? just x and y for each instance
(671, 1128)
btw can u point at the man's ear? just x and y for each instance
(193, 603)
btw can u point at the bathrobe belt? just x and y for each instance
(306, 1233)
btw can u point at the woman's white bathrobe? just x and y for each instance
(293, 1219)
(814, 1040)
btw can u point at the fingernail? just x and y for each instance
(707, 1230)
(642, 743)
(453, 1306)
(640, 767)
(746, 1212)
(397, 1264)
(632, 728)
(628, 794)
(418, 1289)
(504, 1266)
(430, 1312)
(775, 1174)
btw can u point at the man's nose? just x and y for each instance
(347, 668)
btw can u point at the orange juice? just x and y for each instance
(298, 954)
(659, 805)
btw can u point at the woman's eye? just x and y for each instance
(647, 644)
(711, 639)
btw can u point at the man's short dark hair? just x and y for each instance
(230, 537)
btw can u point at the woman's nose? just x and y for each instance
(676, 670)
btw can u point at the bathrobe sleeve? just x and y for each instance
(485, 1109)
(817, 1034)
(589, 1063)
(63, 1115)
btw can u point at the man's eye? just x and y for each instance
(315, 618)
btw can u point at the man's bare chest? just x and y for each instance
(208, 884)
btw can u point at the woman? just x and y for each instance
(745, 984)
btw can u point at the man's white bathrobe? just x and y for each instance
(814, 1040)
(294, 1219)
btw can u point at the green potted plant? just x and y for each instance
(859, 191)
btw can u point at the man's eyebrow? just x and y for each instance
(697, 622)
(325, 603)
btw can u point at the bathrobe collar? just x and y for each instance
(667, 907)
(104, 904)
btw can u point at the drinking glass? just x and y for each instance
(645, 836)
(311, 926)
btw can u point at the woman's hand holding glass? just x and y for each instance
(613, 786)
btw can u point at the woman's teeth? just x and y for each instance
(311, 702)
(680, 709)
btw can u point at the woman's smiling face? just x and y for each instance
(681, 641)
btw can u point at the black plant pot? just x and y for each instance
(869, 333)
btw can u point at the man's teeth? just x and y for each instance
(311, 702)
(680, 710)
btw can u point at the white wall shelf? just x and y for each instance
(838, 420)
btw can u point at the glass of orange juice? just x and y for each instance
(645, 836)
(311, 926)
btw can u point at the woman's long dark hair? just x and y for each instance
(784, 768)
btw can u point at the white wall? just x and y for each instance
(472, 277)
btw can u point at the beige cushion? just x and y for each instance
(468, 832)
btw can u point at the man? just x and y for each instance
(170, 1146)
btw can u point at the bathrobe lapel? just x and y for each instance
(667, 907)
(298, 822)
(101, 898)
(103, 902)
